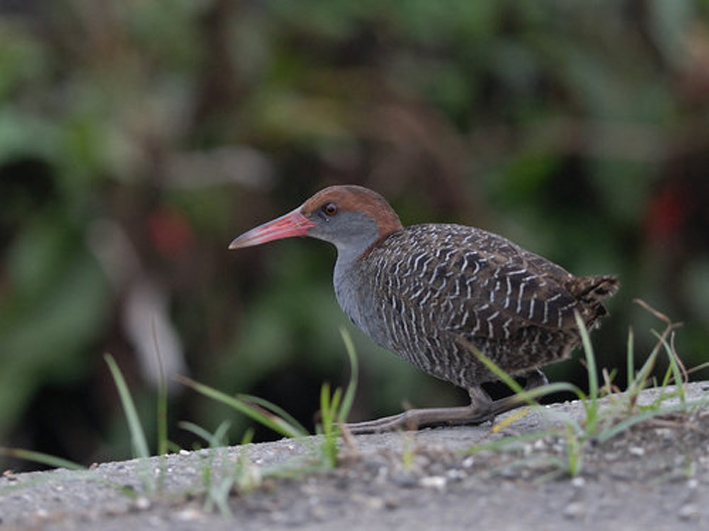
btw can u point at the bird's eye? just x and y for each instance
(330, 209)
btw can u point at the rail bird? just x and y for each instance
(435, 293)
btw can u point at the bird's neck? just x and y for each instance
(352, 287)
(352, 248)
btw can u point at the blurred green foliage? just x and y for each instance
(138, 138)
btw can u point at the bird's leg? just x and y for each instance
(535, 378)
(477, 412)
(481, 409)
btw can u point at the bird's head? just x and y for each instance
(351, 217)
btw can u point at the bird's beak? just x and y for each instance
(292, 224)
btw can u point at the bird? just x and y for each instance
(436, 294)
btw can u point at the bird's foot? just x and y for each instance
(414, 419)
(481, 409)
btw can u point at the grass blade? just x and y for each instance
(140, 444)
(215, 440)
(273, 408)
(630, 358)
(590, 358)
(591, 404)
(161, 411)
(348, 398)
(508, 380)
(252, 411)
(41, 458)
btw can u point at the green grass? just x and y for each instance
(334, 409)
(220, 481)
(138, 439)
(40, 458)
(258, 410)
(161, 410)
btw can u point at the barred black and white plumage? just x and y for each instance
(426, 287)
(428, 292)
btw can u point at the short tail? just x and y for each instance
(591, 292)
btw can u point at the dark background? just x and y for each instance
(137, 138)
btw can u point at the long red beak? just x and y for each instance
(292, 224)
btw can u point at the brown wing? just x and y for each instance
(470, 282)
(502, 288)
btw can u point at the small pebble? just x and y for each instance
(636, 450)
(370, 502)
(689, 511)
(190, 514)
(433, 482)
(455, 474)
(665, 433)
(578, 482)
(540, 444)
(376, 503)
(142, 503)
(575, 510)
(392, 503)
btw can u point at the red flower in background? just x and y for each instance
(669, 210)
(170, 232)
